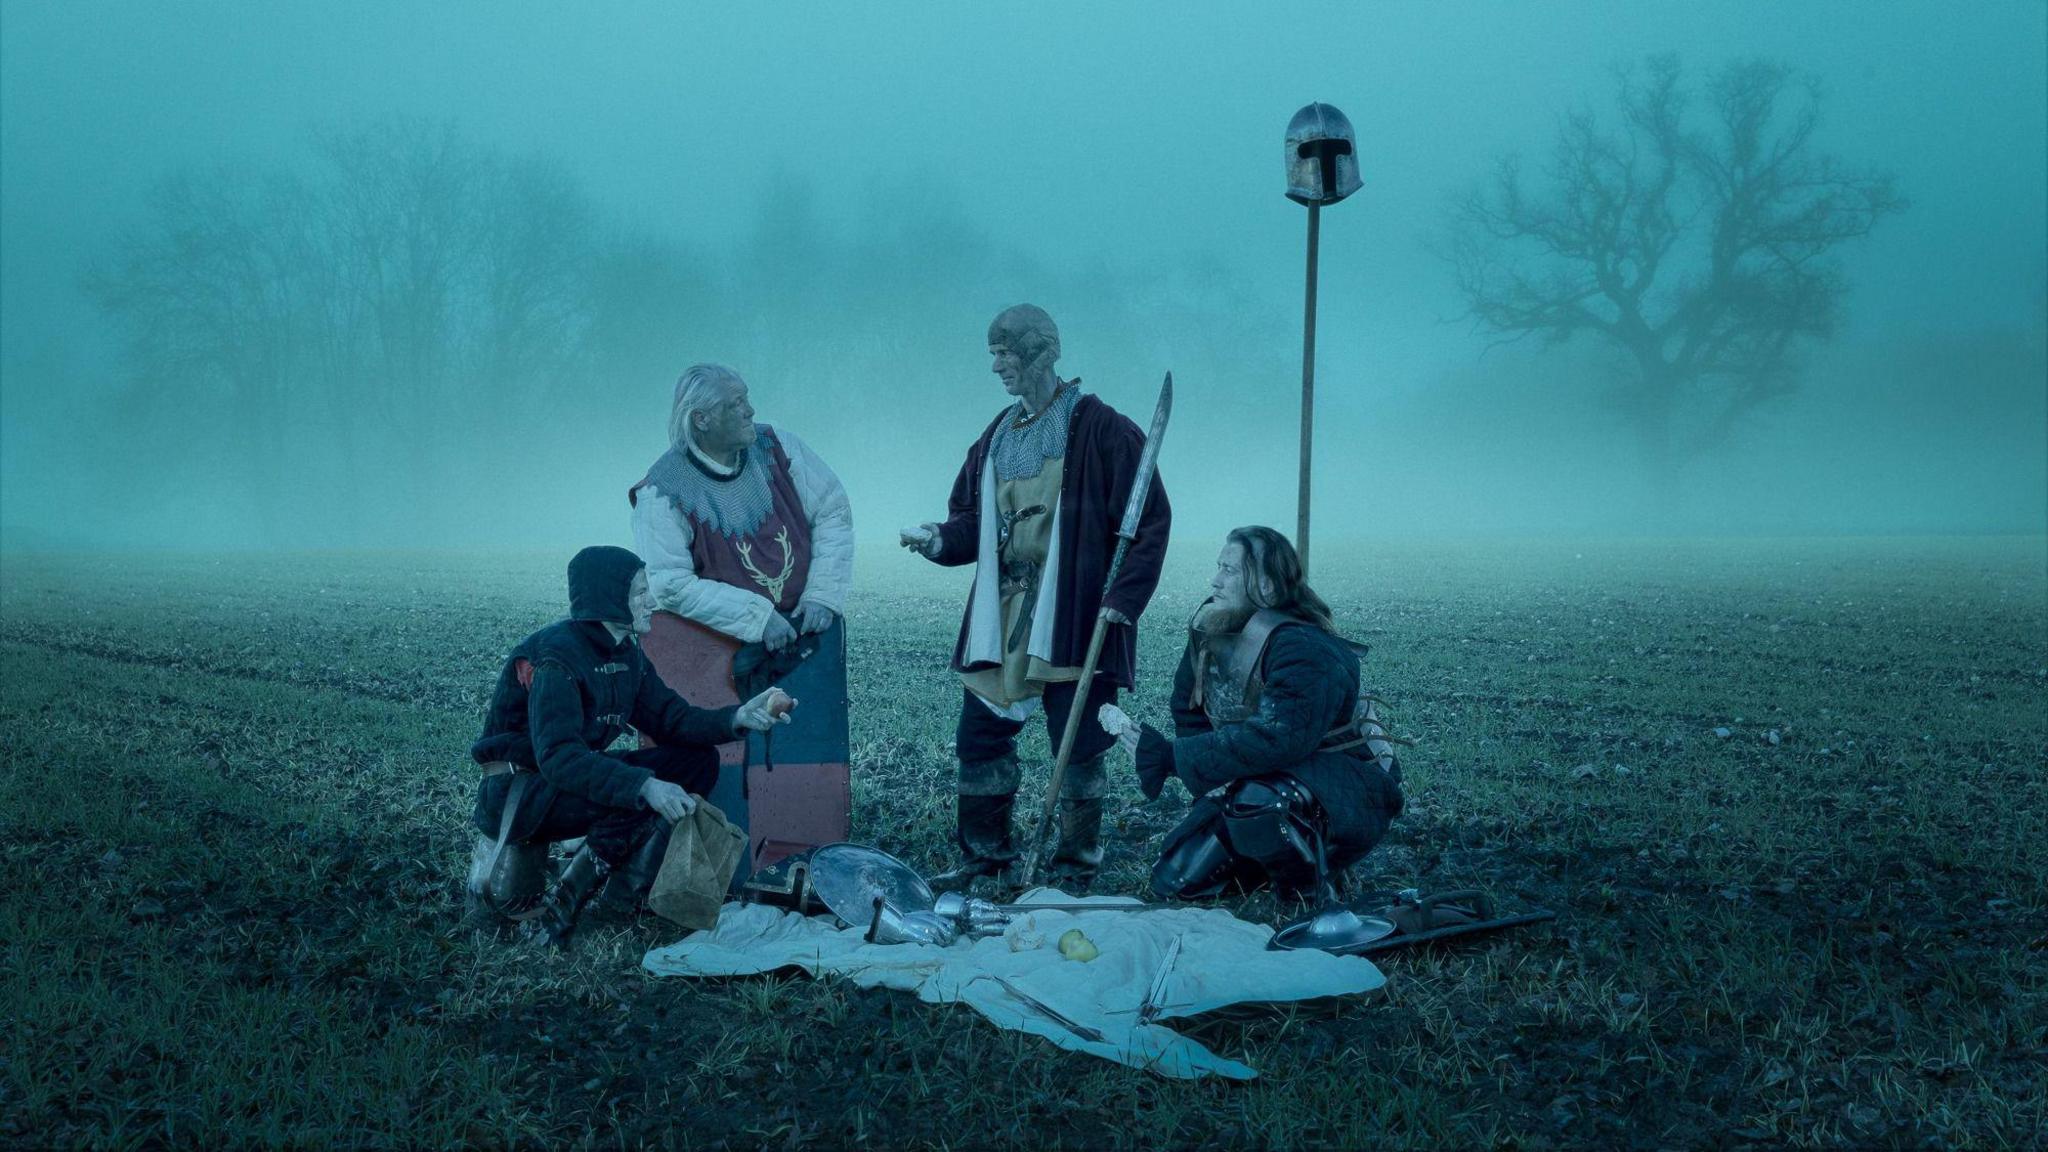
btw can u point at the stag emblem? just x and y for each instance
(772, 584)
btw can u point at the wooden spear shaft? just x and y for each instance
(1127, 531)
(1043, 829)
(1308, 387)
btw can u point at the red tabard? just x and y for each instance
(774, 560)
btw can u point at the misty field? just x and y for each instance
(1789, 799)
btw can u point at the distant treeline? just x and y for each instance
(388, 338)
(401, 336)
(1908, 433)
(309, 340)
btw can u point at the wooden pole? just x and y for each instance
(1043, 831)
(1127, 531)
(1308, 388)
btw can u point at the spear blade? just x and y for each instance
(1148, 462)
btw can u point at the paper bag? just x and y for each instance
(702, 853)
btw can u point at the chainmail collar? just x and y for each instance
(1020, 452)
(733, 506)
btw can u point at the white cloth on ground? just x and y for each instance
(1223, 961)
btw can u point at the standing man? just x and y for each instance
(749, 544)
(1035, 508)
(744, 529)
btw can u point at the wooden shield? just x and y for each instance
(799, 797)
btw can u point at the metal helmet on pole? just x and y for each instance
(1322, 168)
(1322, 156)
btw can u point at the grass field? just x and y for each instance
(233, 809)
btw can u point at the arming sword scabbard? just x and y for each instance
(1126, 532)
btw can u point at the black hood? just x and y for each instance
(600, 581)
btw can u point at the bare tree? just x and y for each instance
(211, 306)
(1699, 251)
(335, 325)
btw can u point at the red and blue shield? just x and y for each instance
(792, 792)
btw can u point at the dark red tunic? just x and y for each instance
(1103, 447)
(773, 558)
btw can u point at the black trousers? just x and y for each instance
(614, 834)
(1349, 832)
(983, 735)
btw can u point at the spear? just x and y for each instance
(1141, 486)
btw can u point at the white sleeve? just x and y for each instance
(662, 537)
(831, 516)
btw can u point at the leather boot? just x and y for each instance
(625, 892)
(1079, 855)
(506, 884)
(557, 921)
(983, 836)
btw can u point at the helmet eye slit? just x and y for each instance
(1322, 164)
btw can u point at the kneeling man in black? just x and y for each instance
(565, 694)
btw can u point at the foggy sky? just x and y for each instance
(1137, 145)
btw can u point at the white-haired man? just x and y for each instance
(748, 540)
(744, 529)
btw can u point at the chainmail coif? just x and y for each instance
(1021, 453)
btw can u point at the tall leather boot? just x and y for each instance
(988, 791)
(507, 884)
(625, 892)
(1079, 855)
(986, 846)
(579, 880)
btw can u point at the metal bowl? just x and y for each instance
(1338, 930)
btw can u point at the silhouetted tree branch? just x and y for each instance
(1698, 245)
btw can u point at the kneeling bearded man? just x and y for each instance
(1293, 775)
